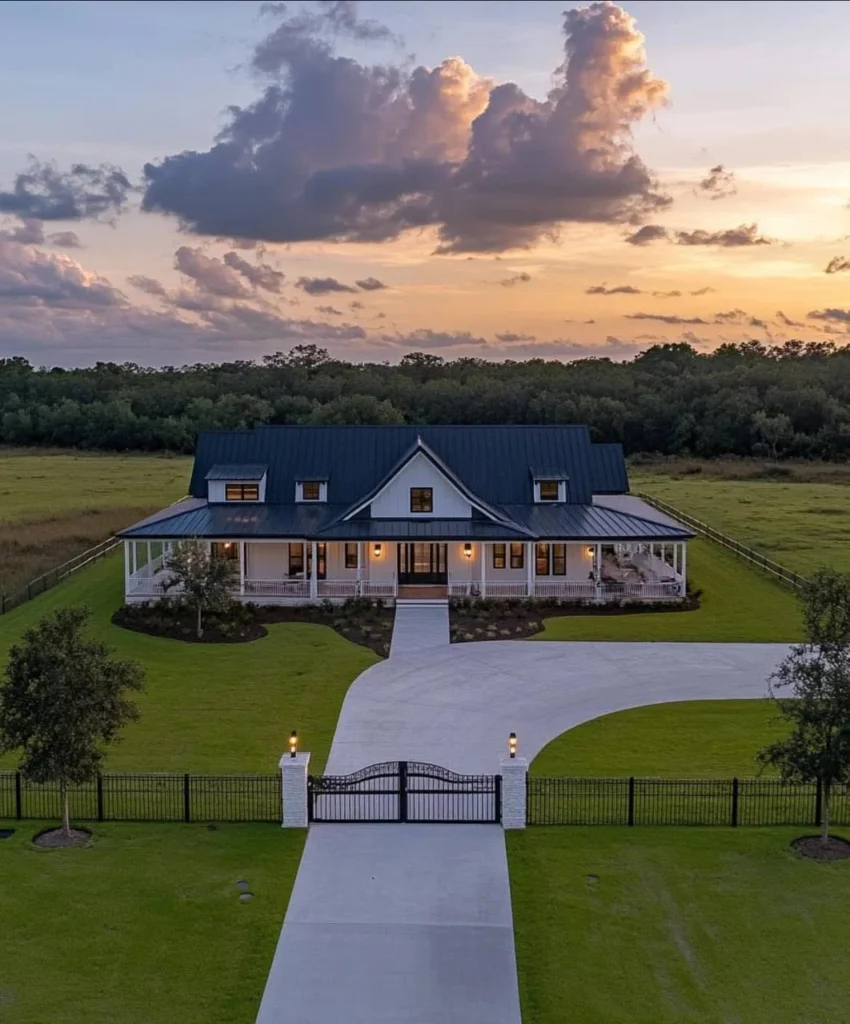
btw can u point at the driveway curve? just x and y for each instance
(455, 705)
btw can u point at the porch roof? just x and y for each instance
(421, 529)
(591, 522)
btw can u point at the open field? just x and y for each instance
(212, 708)
(696, 739)
(144, 925)
(677, 926)
(801, 521)
(55, 504)
(738, 604)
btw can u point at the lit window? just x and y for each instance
(541, 559)
(225, 549)
(421, 499)
(517, 556)
(499, 555)
(242, 492)
(350, 556)
(559, 559)
(548, 490)
(311, 490)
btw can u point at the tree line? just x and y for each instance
(790, 400)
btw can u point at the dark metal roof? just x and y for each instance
(421, 529)
(236, 472)
(492, 461)
(238, 520)
(590, 522)
(549, 474)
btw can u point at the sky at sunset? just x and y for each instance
(200, 181)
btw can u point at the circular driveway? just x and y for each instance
(454, 705)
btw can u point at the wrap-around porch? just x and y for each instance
(300, 571)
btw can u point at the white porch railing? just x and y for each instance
(378, 588)
(576, 590)
(276, 588)
(336, 588)
(568, 590)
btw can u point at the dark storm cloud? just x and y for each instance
(370, 284)
(82, 193)
(333, 149)
(620, 289)
(837, 264)
(718, 183)
(322, 285)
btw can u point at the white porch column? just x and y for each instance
(514, 771)
(127, 544)
(675, 559)
(483, 568)
(293, 779)
(150, 560)
(684, 569)
(241, 545)
(135, 562)
(314, 587)
(529, 558)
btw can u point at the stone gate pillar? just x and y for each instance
(514, 775)
(293, 778)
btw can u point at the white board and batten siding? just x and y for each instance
(393, 502)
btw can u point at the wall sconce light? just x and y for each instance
(377, 551)
(512, 745)
(467, 549)
(227, 545)
(293, 743)
(590, 552)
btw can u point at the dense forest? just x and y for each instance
(746, 399)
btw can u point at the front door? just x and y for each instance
(422, 563)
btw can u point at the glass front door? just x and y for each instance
(422, 563)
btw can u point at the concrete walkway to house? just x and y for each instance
(411, 924)
(419, 626)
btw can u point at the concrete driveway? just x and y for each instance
(455, 706)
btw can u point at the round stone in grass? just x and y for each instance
(835, 848)
(245, 897)
(55, 838)
(242, 883)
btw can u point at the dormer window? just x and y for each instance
(242, 492)
(311, 490)
(548, 490)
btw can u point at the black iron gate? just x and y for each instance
(405, 791)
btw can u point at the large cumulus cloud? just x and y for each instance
(333, 149)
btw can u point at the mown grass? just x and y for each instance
(677, 926)
(695, 739)
(145, 925)
(212, 708)
(55, 504)
(738, 604)
(802, 525)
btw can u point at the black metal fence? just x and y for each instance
(148, 797)
(634, 801)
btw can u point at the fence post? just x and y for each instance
(514, 791)
(187, 809)
(99, 797)
(735, 801)
(402, 791)
(296, 810)
(19, 807)
(818, 803)
(631, 817)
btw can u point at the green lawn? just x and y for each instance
(694, 739)
(800, 525)
(144, 926)
(677, 926)
(213, 708)
(738, 604)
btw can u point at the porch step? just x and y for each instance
(422, 602)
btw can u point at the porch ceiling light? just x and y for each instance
(467, 549)
(293, 743)
(512, 745)
(377, 551)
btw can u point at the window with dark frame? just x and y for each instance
(321, 560)
(225, 549)
(541, 559)
(311, 490)
(350, 556)
(421, 499)
(296, 559)
(559, 559)
(241, 492)
(499, 555)
(548, 490)
(517, 556)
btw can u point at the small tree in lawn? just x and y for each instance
(817, 675)
(63, 699)
(205, 582)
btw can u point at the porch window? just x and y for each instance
(350, 556)
(321, 561)
(559, 559)
(517, 556)
(311, 490)
(296, 559)
(225, 549)
(241, 492)
(541, 559)
(421, 499)
(499, 555)
(548, 490)
(550, 560)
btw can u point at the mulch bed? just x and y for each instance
(514, 620)
(55, 838)
(363, 622)
(835, 848)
